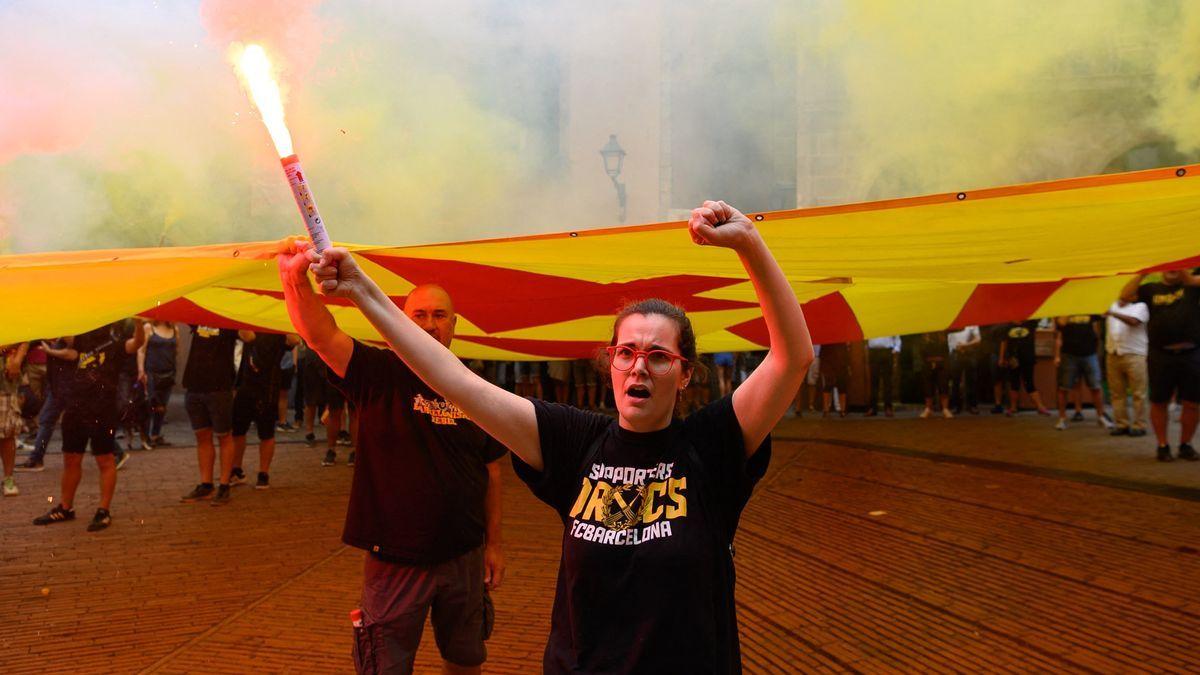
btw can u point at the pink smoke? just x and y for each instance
(289, 30)
(51, 97)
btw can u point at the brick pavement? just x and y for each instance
(962, 567)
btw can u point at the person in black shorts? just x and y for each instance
(91, 416)
(319, 393)
(1018, 354)
(256, 402)
(208, 378)
(1174, 358)
(650, 503)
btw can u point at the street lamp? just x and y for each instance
(614, 158)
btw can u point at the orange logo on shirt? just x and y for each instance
(439, 411)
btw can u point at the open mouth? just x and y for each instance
(637, 391)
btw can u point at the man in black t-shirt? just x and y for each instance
(257, 401)
(1076, 349)
(91, 416)
(208, 379)
(1174, 358)
(425, 498)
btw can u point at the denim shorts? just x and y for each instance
(1074, 367)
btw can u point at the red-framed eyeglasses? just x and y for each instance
(658, 361)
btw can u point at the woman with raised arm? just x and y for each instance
(650, 503)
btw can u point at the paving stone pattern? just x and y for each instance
(849, 559)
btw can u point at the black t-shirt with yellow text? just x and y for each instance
(420, 475)
(1079, 337)
(1020, 338)
(645, 583)
(1174, 313)
(92, 390)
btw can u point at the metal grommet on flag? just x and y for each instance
(961, 196)
(1181, 172)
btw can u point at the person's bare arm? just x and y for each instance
(1125, 318)
(135, 342)
(764, 397)
(1129, 293)
(493, 550)
(309, 315)
(67, 353)
(505, 416)
(147, 329)
(13, 367)
(1058, 326)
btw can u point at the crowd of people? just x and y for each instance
(640, 484)
(122, 376)
(1149, 339)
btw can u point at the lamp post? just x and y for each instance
(614, 158)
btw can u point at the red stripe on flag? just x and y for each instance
(997, 303)
(1186, 263)
(829, 317)
(499, 299)
(186, 311)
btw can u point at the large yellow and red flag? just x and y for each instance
(861, 270)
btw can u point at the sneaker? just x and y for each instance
(1010, 412)
(122, 458)
(1104, 423)
(201, 491)
(926, 413)
(101, 520)
(284, 426)
(1062, 424)
(145, 444)
(264, 481)
(237, 476)
(55, 515)
(30, 465)
(350, 459)
(23, 446)
(1120, 431)
(344, 438)
(1077, 417)
(1164, 454)
(887, 412)
(10, 487)
(159, 441)
(310, 439)
(330, 458)
(1186, 451)
(1043, 412)
(997, 410)
(947, 414)
(1137, 433)
(222, 496)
